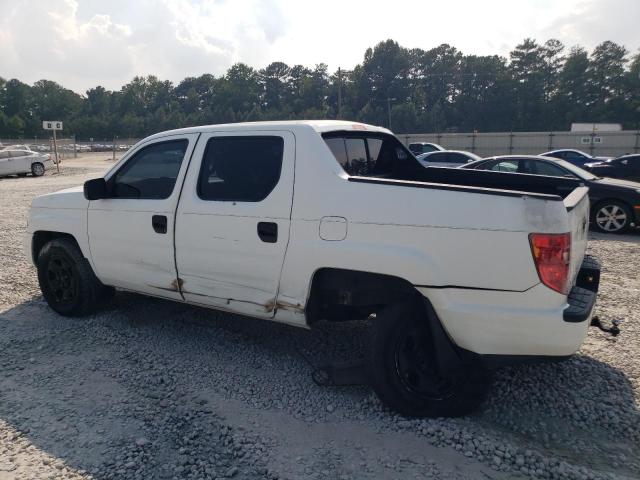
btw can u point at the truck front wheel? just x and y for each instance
(67, 281)
(404, 372)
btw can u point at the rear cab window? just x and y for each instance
(371, 154)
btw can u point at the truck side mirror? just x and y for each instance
(95, 189)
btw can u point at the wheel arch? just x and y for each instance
(41, 237)
(337, 294)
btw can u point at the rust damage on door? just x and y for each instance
(174, 286)
(274, 305)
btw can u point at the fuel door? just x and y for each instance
(333, 228)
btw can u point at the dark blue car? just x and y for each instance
(574, 157)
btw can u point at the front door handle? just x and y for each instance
(268, 232)
(159, 223)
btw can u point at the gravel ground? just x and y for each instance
(155, 389)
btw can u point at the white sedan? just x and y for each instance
(21, 162)
(447, 158)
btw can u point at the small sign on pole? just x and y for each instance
(55, 126)
(52, 125)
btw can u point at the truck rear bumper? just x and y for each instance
(582, 297)
(519, 326)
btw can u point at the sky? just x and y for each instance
(85, 43)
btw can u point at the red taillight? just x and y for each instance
(552, 255)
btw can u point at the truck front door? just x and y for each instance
(131, 233)
(233, 220)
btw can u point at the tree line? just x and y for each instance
(539, 87)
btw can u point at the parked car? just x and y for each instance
(208, 216)
(101, 147)
(418, 148)
(615, 204)
(626, 167)
(17, 147)
(575, 157)
(22, 162)
(447, 158)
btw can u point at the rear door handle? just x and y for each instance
(268, 232)
(159, 223)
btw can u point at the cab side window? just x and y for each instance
(151, 173)
(240, 169)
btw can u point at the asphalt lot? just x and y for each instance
(154, 389)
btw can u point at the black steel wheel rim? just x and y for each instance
(416, 367)
(62, 280)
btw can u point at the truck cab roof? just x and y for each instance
(320, 126)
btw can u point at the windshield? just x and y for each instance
(577, 171)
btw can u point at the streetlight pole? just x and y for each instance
(339, 93)
(389, 109)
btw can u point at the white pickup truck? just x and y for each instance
(296, 222)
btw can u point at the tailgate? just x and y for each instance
(577, 205)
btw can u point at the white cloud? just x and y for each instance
(83, 43)
(172, 39)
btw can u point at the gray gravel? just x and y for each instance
(155, 389)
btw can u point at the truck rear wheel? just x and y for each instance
(67, 281)
(404, 372)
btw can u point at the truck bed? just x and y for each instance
(519, 182)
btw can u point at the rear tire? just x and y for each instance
(37, 169)
(612, 217)
(67, 281)
(404, 374)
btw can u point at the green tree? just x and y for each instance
(572, 99)
(606, 81)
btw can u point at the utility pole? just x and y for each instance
(339, 93)
(389, 110)
(55, 151)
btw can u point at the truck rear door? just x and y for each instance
(233, 220)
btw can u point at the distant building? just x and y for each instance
(596, 127)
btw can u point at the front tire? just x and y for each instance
(612, 217)
(67, 281)
(37, 169)
(404, 373)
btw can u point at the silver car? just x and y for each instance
(447, 158)
(21, 162)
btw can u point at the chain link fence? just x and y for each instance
(68, 147)
(612, 144)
